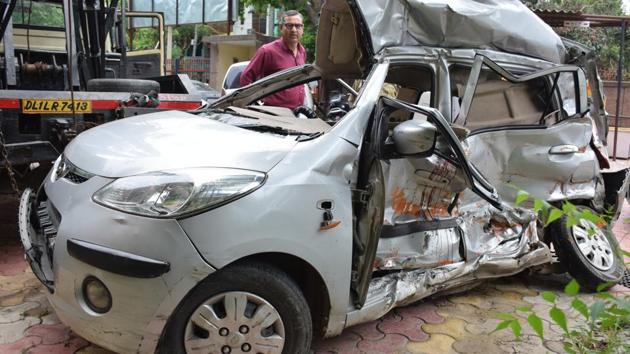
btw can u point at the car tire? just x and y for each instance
(123, 85)
(592, 260)
(254, 289)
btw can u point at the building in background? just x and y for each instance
(241, 43)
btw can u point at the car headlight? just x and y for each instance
(174, 193)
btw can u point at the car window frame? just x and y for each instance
(478, 65)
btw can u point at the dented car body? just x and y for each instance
(243, 228)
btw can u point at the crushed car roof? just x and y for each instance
(504, 25)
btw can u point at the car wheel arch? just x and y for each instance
(309, 280)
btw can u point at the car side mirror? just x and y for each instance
(414, 137)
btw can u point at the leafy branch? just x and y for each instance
(606, 321)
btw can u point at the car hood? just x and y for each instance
(171, 140)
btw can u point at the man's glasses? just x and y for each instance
(291, 26)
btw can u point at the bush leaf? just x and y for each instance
(572, 288)
(516, 328)
(524, 308)
(596, 310)
(521, 196)
(604, 286)
(549, 296)
(559, 318)
(568, 347)
(505, 316)
(502, 325)
(605, 296)
(538, 205)
(554, 215)
(588, 215)
(580, 307)
(536, 324)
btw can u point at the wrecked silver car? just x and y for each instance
(245, 229)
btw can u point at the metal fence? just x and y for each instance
(196, 68)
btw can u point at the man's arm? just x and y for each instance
(254, 69)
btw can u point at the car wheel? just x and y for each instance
(249, 308)
(123, 85)
(589, 252)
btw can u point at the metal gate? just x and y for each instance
(197, 68)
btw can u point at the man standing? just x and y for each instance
(280, 54)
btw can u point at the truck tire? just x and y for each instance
(123, 85)
(592, 259)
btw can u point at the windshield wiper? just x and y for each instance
(307, 137)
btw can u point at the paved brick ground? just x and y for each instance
(459, 323)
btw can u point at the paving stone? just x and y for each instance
(10, 284)
(509, 284)
(485, 327)
(476, 344)
(462, 311)
(345, 343)
(66, 347)
(549, 331)
(526, 345)
(50, 334)
(12, 261)
(15, 298)
(391, 317)
(11, 332)
(20, 346)
(367, 330)
(453, 327)
(93, 349)
(50, 318)
(437, 343)
(14, 313)
(424, 311)
(391, 343)
(38, 311)
(554, 346)
(409, 327)
(479, 301)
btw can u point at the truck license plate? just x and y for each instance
(35, 106)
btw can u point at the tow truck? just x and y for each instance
(65, 67)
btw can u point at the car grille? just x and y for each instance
(49, 219)
(64, 169)
(75, 178)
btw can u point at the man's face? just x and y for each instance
(292, 30)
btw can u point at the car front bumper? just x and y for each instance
(147, 265)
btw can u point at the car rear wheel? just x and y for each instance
(250, 308)
(588, 251)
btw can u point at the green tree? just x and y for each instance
(308, 8)
(184, 34)
(605, 41)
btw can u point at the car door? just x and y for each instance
(438, 167)
(530, 132)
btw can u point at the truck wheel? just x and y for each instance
(247, 308)
(589, 252)
(123, 85)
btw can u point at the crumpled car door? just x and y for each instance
(530, 132)
(369, 197)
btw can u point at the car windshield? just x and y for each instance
(325, 102)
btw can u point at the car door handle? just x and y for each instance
(563, 149)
